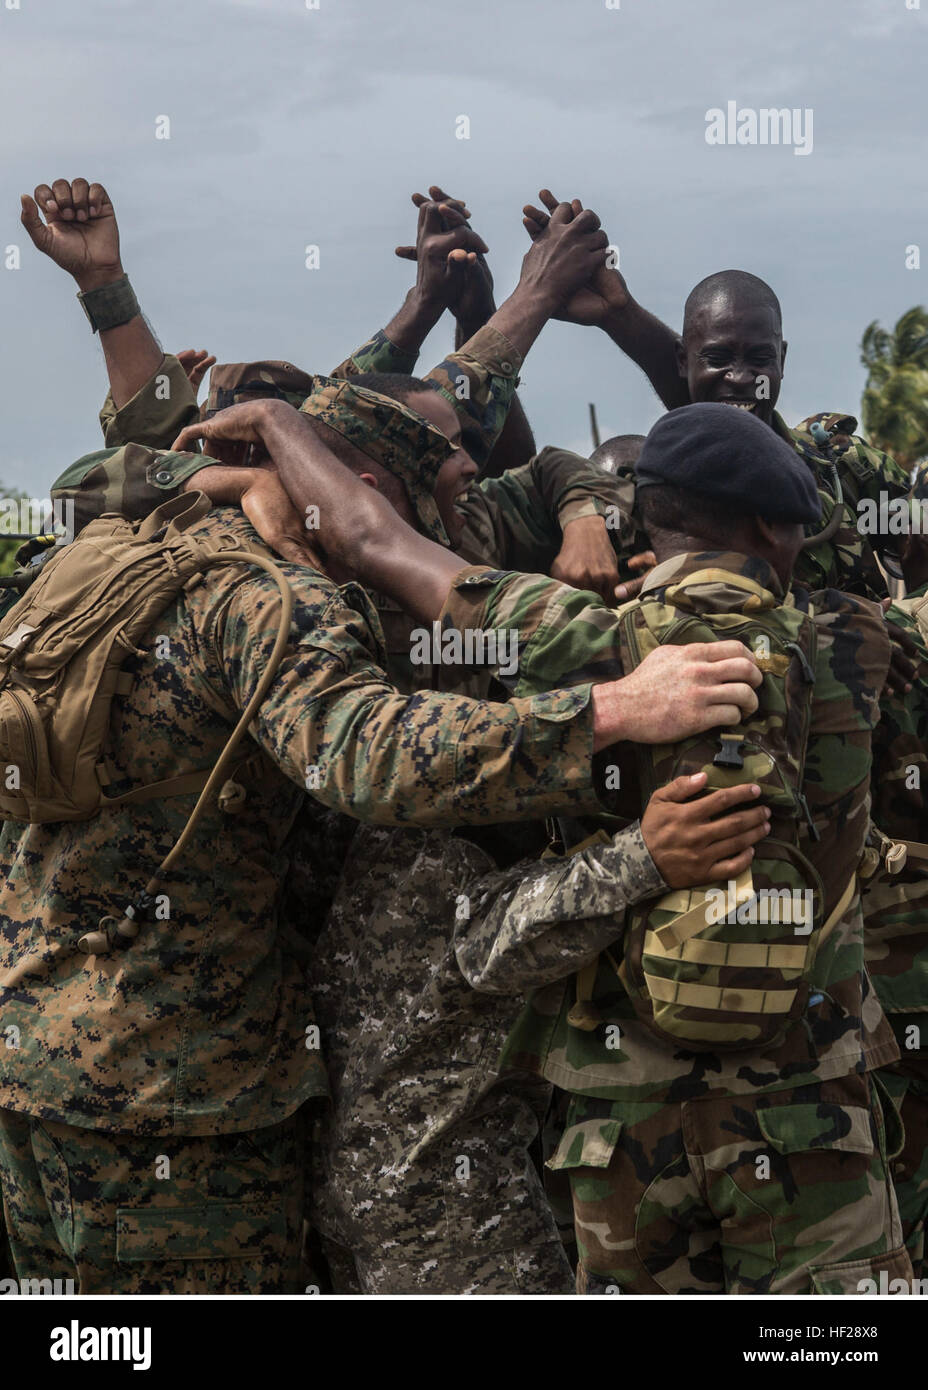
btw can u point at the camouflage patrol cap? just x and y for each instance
(233, 382)
(404, 443)
(726, 455)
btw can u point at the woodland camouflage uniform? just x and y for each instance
(846, 561)
(896, 922)
(676, 1134)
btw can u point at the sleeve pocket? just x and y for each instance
(589, 1144)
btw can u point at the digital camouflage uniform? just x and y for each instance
(202, 1028)
(896, 923)
(663, 1146)
(423, 1168)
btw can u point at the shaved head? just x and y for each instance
(619, 452)
(732, 287)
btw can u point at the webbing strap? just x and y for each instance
(915, 850)
(583, 1012)
(737, 1001)
(93, 942)
(693, 919)
(757, 955)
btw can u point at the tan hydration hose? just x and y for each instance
(99, 941)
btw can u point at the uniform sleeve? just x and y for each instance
(525, 927)
(900, 745)
(878, 473)
(156, 414)
(516, 521)
(565, 636)
(132, 480)
(334, 724)
(378, 354)
(479, 380)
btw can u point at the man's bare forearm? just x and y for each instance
(131, 351)
(652, 346)
(362, 535)
(413, 322)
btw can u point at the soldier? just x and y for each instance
(896, 905)
(703, 1169)
(732, 350)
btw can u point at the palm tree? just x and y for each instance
(895, 398)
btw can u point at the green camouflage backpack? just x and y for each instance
(726, 966)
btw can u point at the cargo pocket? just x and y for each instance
(796, 1129)
(212, 1231)
(893, 1130)
(882, 1274)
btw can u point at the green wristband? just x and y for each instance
(110, 305)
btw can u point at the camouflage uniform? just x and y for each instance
(896, 922)
(676, 1134)
(847, 561)
(425, 1175)
(496, 1233)
(209, 1033)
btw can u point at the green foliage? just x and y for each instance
(895, 398)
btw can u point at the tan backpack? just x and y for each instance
(62, 649)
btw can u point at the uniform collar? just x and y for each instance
(680, 568)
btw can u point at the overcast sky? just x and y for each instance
(292, 125)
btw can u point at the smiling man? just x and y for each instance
(732, 350)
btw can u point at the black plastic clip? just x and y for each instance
(729, 755)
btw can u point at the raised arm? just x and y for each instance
(81, 236)
(606, 303)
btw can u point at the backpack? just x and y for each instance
(699, 977)
(62, 650)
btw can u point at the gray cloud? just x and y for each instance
(292, 126)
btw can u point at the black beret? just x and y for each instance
(723, 453)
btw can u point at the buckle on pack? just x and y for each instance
(18, 637)
(729, 754)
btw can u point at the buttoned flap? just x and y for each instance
(210, 1231)
(589, 1144)
(794, 1129)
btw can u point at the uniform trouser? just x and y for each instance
(785, 1193)
(910, 1166)
(129, 1214)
